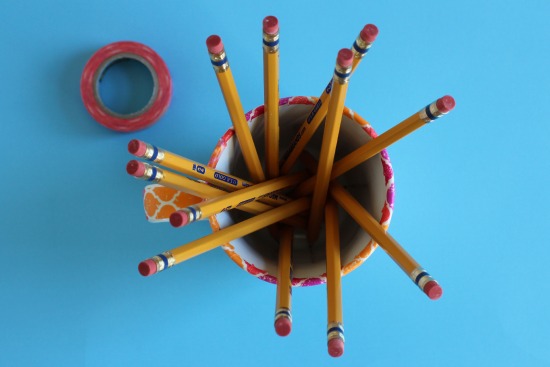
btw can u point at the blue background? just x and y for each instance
(471, 206)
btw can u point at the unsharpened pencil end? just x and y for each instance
(137, 147)
(271, 25)
(147, 267)
(445, 104)
(433, 290)
(214, 44)
(179, 219)
(135, 168)
(335, 347)
(283, 326)
(345, 58)
(369, 33)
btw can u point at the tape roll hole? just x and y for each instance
(126, 85)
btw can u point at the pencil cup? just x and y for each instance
(371, 183)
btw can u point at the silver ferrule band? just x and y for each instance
(152, 173)
(193, 213)
(335, 330)
(153, 153)
(219, 62)
(283, 312)
(421, 277)
(430, 112)
(341, 74)
(360, 48)
(271, 42)
(164, 260)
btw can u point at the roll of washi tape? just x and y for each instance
(95, 69)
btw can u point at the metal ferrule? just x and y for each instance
(360, 48)
(421, 277)
(164, 260)
(153, 154)
(219, 62)
(341, 75)
(283, 312)
(430, 112)
(193, 213)
(335, 330)
(152, 173)
(271, 42)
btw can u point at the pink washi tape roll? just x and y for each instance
(96, 67)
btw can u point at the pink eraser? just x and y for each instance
(433, 290)
(369, 33)
(335, 347)
(345, 57)
(271, 25)
(283, 326)
(137, 147)
(214, 44)
(445, 104)
(179, 219)
(135, 168)
(147, 267)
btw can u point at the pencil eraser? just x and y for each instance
(147, 267)
(214, 44)
(369, 33)
(335, 347)
(283, 326)
(179, 219)
(271, 25)
(137, 147)
(433, 290)
(445, 104)
(345, 57)
(135, 168)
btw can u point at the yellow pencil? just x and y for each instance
(431, 112)
(177, 255)
(154, 174)
(271, 94)
(342, 73)
(335, 321)
(186, 166)
(283, 316)
(234, 107)
(233, 200)
(360, 48)
(417, 274)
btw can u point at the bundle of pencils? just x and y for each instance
(277, 198)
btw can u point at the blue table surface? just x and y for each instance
(471, 189)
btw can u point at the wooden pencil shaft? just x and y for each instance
(334, 272)
(312, 122)
(366, 151)
(237, 198)
(220, 179)
(373, 228)
(236, 113)
(240, 229)
(284, 269)
(182, 183)
(326, 157)
(271, 104)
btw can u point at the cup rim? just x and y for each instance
(368, 249)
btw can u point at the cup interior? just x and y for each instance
(369, 183)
